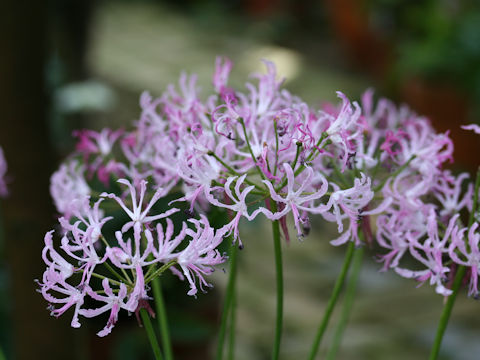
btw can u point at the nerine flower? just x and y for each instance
(430, 254)
(237, 204)
(200, 255)
(467, 255)
(113, 302)
(295, 200)
(69, 188)
(138, 214)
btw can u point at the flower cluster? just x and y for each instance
(260, 152)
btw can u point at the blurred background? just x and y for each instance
(70, 64)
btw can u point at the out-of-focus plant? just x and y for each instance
(437, 41)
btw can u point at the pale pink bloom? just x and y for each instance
(166, 243)
(113, 302)
(344, 128)
(352, 204)
(225, 117)
(473, 127)
(200, 255)
(401, 225)
(295, 200)
(79, 242)
(93, 142)
(62, 293)
(138, 214)
(54, 260)
(237, 204)
(448, 190)
(429, 148)
(430, 254)
(197, 173)
(263, 99)
(69, 188)
(130, 255)
(223, 67)
(467, 256)
(88, 220)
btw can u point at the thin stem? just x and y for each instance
(233, 171)
(447, 310)
(160, 270)
(147, 323)
(332, 301)
(347, 303)
(227, 305)
(162, 319)
(114, 273)
(250, 148)
(279, 279)
(228, 167)
(394, 174)
(276, 148)
(297, 154)
(457, 283)
(309, 158)
(103, 277)
(232, 333)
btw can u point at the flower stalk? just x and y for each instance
(162, 318)
(347, 303)
(228, 305)
(332, 301)
(279, 283)
(151, 334)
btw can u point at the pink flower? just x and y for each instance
(197, 172)
(63, 293)
(237, 204)
(467, 256)
(54, 260)
(430, 254)
(295, 200)
(223, 67)
(138, 215)
(113, 302)
(344, 128)
(69, 188)
(93, 142)
(448, 190)
(473, 127)
(200, 255)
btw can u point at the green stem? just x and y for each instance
(232, 333)
(147, 323)
(260, 172)
(447, 310)
(234, 172)
(160, 271)
(162, 319)
(457, 283)
(347, 304)
(394, 174)
(227, 306)
(103, 277)
(276, 148)
(279, 279)
(332, 301)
